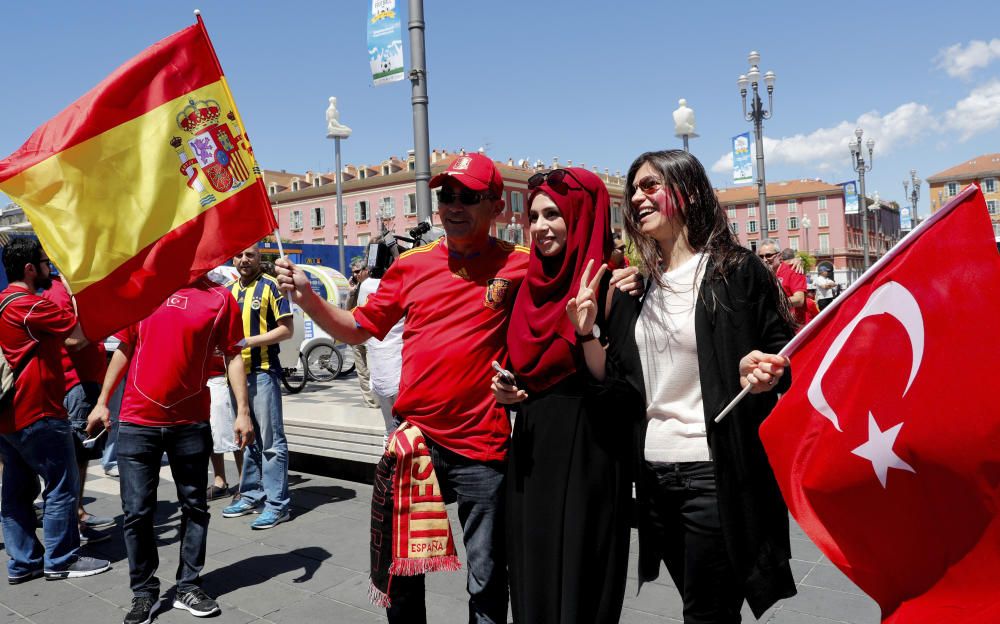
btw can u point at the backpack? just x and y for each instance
(8, 375)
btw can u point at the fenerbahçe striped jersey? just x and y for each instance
(261, 305)
(456, 314)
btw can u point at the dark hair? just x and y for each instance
(787, 253)
(707, 225)
(19, 252)
(706, 221)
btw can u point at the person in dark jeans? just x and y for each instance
(165, 408)
(36, 439)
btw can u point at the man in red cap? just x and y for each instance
(467, 285)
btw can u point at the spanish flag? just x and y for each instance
(143, 184)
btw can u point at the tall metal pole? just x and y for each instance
(757, 115)
(340, 207)
(686, 143)
(421, 133)
(861, 166)
(761, 186)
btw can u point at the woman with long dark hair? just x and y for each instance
(710, 323)
(568, 482)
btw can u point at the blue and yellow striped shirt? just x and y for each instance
(261, 305)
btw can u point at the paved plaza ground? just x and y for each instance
(314, 568)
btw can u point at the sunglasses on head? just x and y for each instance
(767, 256)
(556, 180)
(467, 197)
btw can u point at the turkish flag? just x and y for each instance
(887, 445)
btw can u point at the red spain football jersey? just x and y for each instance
(456, 312)
(89, 363)
(172, 350)
(34, 328)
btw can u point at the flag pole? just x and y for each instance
(889, 256)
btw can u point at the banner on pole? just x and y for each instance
(905, 220)
(850, 197)
(385, 43)
(742, 164)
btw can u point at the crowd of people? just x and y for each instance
(611, 375)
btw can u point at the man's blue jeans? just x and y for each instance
(109, 459)
(140, 449)
(478, 488)
(42, 449)
(265, 462)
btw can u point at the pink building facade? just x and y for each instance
(831, 236)
(384, 197)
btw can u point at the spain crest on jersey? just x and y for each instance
(215, 149)
(496, 292)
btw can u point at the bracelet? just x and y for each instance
(582, 338)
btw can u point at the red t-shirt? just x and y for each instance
(90, 362)
(792, 282)
(172, 350)
(456, 312)
(35, 328)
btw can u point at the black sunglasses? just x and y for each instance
(467, 197)
(556, 180)
(768, 256)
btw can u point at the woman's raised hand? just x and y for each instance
(582, 309)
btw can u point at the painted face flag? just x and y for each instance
(143, 184)
(887, 446)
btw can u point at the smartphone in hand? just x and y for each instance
(505, 374)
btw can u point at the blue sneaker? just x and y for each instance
(241, 507)
(270, 519)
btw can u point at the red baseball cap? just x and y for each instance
(473, 171)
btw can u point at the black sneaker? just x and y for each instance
(197, 602)
(23, 578)
(141, 611)
(83, 566)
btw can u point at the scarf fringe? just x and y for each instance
(413, 567)
(378, 597)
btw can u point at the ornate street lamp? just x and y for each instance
(806, 224)
(861, 167)
(757, 115)
(684, 123)
(337, 131)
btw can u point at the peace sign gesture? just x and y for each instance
(582, 309)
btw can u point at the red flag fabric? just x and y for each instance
(887, 445)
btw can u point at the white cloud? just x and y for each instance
(826, 148)
(978, 112)
(961, 61)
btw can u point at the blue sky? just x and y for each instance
(590, 81)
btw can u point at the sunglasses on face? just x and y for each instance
(556, 179)
(767, 256)
(649, 185)
(467, 197)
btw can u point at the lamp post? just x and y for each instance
(684, 123)
(914, 195)
(337, 131)
(757, 115)
(806, 224)
(861, 167)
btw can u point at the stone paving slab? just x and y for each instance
(314, 568)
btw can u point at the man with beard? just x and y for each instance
(36, 438)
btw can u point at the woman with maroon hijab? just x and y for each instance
(568, 484)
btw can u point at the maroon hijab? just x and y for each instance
(541, 340)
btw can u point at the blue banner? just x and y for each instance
(850, 197)
(385, 42)
(905, 222)
(742, 163)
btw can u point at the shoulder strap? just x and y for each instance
(10, 299)
(31, 353)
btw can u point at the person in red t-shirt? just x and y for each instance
(36, 438)
(793, 282)
(456, 295)
(84, 370)
(165, 408)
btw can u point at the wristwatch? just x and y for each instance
(594, 334)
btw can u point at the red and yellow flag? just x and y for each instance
(143, 184)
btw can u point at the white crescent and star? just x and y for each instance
(895, 300)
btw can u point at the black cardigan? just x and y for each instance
(733, 316)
